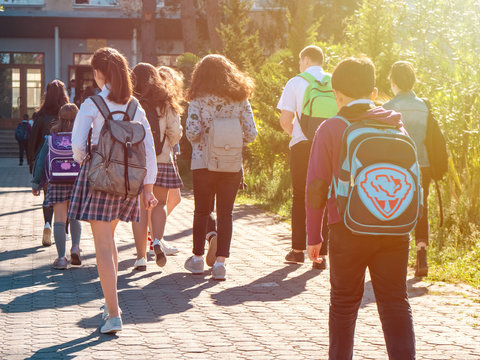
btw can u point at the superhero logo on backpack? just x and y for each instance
(378, 190)
(386, 190)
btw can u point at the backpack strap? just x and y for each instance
(132, 108)
(102, 106)
(308, 77)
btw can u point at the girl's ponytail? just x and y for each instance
(114, 68)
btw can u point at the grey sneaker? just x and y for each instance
(193, 265)
(47, 235)
(60, 263)
(112, 325)
(219, 272)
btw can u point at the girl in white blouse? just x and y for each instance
(101, 209)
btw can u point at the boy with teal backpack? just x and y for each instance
(306, 101)
(363, 167)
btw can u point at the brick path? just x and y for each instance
(265, 310)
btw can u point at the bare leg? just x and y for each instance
(159, 214)
(140, 230)
(107, 262)
(173, 199)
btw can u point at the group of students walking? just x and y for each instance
(109, 152)
(219, 123)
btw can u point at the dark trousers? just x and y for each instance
(386, 258)
(299, 155)
(22, 149)
(47, 210)
(421, 230)
(222, 186)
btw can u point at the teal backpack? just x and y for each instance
(378, 191)
(318, 105)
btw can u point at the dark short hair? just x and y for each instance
(354, 77)
(403, 75)
(314, 53)
(25, 116)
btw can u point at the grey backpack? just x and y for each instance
(224, 148)
(118, 162)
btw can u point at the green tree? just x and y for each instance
(240, 44)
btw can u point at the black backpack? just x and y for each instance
(437, 153)
(22, 131)
(436, 146)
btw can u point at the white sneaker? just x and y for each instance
(112, 325)
(194, 265)
(164, 247)
(160, 256)
(219, 272)
(140, 265)
(167, 250)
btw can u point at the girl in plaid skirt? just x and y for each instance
(160, 98)
(58, 195)
(104, 210)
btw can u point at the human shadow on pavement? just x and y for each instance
(76, 285)
(15, 191)
(19, 253)
(369, 295)
(272, 287)
(68, 349)
(171, 294)
(33, 208)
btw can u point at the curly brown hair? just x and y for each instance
(174, 82)
(66, 117)
(150, 87)
(216, 75)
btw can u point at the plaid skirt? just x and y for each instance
(168, 177)
(89, 204)
(58, 193)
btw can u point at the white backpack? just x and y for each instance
(224, 150)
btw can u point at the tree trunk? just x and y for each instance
(214, 18)
(189, 26)
(149, 45)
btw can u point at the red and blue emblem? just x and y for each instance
(386, 190)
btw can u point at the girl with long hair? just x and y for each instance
(58, 194)
(159, 99)
(103, 210)
(55, 97)
(219, 90)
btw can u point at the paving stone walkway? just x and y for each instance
(265, 310)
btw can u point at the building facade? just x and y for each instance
(43, 40)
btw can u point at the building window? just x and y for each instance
(22, 2)
(21, 58)
(167, 60)
(110, 3)
(82, 59)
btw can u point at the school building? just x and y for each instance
(42, 40)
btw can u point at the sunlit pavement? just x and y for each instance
(265, 310)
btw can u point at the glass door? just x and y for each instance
(33, 91)
(9, 93)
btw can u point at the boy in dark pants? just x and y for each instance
(386, 257)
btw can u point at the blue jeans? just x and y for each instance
(207, 186)
(386, 258)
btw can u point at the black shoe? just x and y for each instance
(320, 266)
(421, 268)
(295, 257)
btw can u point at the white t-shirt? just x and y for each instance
(292, 100)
